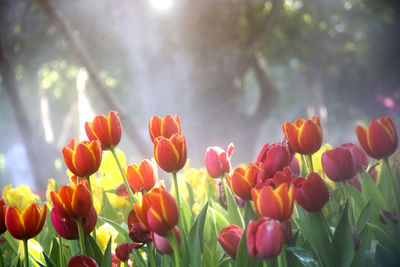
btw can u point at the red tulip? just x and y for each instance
(294, 166)
(123, 251)
(311, 193)
(338, 164)
(162, 244)
(83, 159)
(170, 153)
(217, 161)
(273, 157)
(380, 139)
(359, 156)
(82, 261)
(106, 129)
(286, 231)
(243, 180)
(137, 232)
(25, 224)
(164, 127)
(142, 176)
(68, 229)
(304, 136)
(3, 208)
(264, 238)
(72, 203)
(281, 177)
(229, 239)
(158, 212)
(275, 203)
(122, 192)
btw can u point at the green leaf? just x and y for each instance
(370, 191)
(109, 209)
(49, 262)
(360, 255)
(106, 261)
(343, 241)
(242, 255)
(186, 213)
(196, 238)
(249, 213)
(54, 252)
(365, 216)
(307, 258)
(207, 257)
(356, 196)
(234, 215)
(121, 230)
(381, 236)
(93, 249)
(138, 258)
(191, 194)
(386, 257)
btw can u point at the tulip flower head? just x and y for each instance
(311, 193)
(359, 156)
(72, 203)
(3, 208)
(164, 127)
(379, 140)
(243, 180)
(106, 129)
(142, 176)
(339, 164)
(304, 136)
(26, 224)
(217, 161)
(123, 251)
(83, 159)
(137, 232)
(264, 238)
(162, 244)
(170, 153)
(275, 203)
(158, 212)
(229, 239)
(273, 157)
(82, 261)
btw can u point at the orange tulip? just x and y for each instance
(380, 139)
(170, 153)
(243, 180)
(304, 136)
(106, 129)
(164, 127)
(158, 212)
(72, 203)
(275, 203)
(142, 176)
(25, 224)
(83, 159)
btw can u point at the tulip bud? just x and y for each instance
(164, 127)
(217, 161)
(264, 238)
(273, 157)
(311, 193)
(162, 244)
(286, 231)
(82, 261)
(142, 176)
(123, 251)
(294, 167)
(229, 239)
(3, 208)
(304, 136)
(106, 129)
(380, 139)
(338, 164)
(122, 192)
(243, 180)
(359, 156)
(170, 154)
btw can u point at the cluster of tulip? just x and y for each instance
(258, 198)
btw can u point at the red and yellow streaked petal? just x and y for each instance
(169, 209)
(270, 205)
(156, 223)
(15, 224)
(81, 201)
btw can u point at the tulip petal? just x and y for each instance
(14, 222)
(309, 137)
(169, 209)
(155, 222)
(81, 201)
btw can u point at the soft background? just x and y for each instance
(233, 70)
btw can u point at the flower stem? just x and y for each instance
(394, 185)
(1, 258)
(174, 244)
(176, 189)
(150, 253)
(128, 188)
(304, 162)
(81, 236)
(310, 162)
(91, 195)
(26, 252)
(60, 251)
(282, 261)
(182, 221)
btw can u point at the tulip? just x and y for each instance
(3, 208)
(82, 261)
(83, 159)
(273, 157)
(170, 153)
(281, 177)
(286, 231)
(243, 180)
(105, 129)
(68, 229)
(311, 193)
(72, 203)
(275, 203)
(359, 156)
(122, 192)
(164, 127)
(25, 224)
(142, 176)
(217, 161)
(294, 166)
(137, 232)
(391, 216)
(123, 251)
(380, 139)
(162, 244)
(158, 212)
(229, 239)
(304, 136)
(264, 238)
(338, 164)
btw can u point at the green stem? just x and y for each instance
(81, 236)
(1, 259)
(282, 261)
(266, 263)
(26, 252)
(182, 221)
(304, 162)
(150, 254)
(323, 220)
(60, 251)
(178, 200)
(174, 244)
(394, 186)
(128, 188)
(310, 162)
(91, 195)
